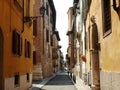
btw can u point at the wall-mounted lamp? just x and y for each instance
(117, 9)
(31, 18)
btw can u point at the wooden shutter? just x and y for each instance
(35, 27)
(27, 7)
(107, 15)
(29, 49)
(51, 40)
(25, 47)
(47, 35)
(34, 57)
(14, 42)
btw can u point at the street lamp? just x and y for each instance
(31, 18)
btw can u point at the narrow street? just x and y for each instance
(40, 40)
(61, 81)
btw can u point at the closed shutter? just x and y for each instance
(35, 27)
(34, 58)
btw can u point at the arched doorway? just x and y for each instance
(1, 60)
(94, 54)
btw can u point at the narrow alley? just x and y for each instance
(59, 44)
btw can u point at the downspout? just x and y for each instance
(23, 17)
(43, 27)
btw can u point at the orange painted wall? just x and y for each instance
(10, 19)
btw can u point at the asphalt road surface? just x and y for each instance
(60, 82)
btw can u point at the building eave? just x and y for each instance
(53, 13)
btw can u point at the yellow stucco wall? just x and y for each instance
(110, 45)
(10, 19)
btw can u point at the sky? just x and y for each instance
(62, 7)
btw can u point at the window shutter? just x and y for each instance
(25, 47)
(47, 9)
(35, 27)
(20, 46)
(51, 40)
(27, 7)
(47, 35)
(14, 42)
(29, 49)
(34, 58)
(107, 15)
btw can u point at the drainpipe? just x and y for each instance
(23, 17)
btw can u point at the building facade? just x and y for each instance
(44, 27)
(70, 33)
(49, 28)
(38, 26)
(55, 52)
(16, 41)
(102, 51)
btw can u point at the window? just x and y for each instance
(51, 19)
(35, 27)
(27, 12)
(27, 48)
(27, 7)
(16, 43)
(51, 40)
(19, 3)
(16, 79)
(106, 17)
(34, 58)
(27, 77)
(47, 35)
(47, 9)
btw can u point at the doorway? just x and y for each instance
(94, 54)
(1, 60)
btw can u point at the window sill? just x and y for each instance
(107, 33)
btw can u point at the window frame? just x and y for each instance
(27, 77)
(47, 9)
(16, 80)
(106, 31)
(28, 8)
(27, 49)
(35, 27)
(34, 58)
(16, 43)
(47, 35)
